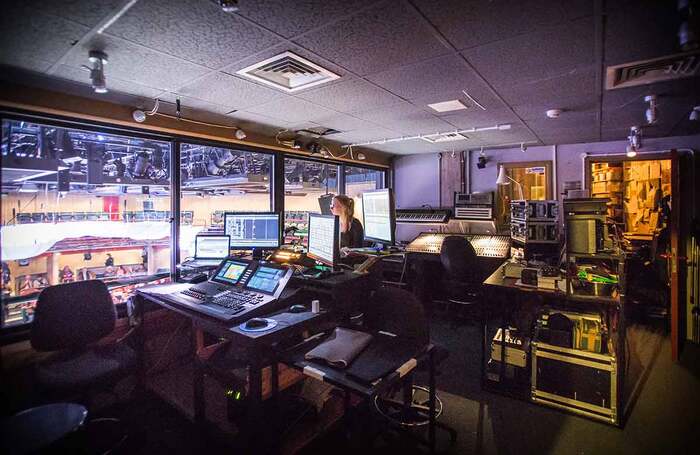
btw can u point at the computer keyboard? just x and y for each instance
(195, 294)
(237, 299)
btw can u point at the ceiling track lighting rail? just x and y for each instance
(500, 127)
(140, 117)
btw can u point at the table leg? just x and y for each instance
(431, 401)
(198, 379)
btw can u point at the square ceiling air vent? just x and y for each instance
(288, 72)
(655, 70)
(444, 137)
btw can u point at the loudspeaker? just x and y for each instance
(95, 166)
(63, 180)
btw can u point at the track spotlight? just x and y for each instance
(228, 6)
(523, 147)
(695, 113)
(635, 139)
(481, 162)
(650, 113)
(97, 72)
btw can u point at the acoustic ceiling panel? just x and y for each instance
(131, 62)
(472, 23)
(230, 91)
(380, 38)
(577, 84)
(406, 119)
(30, 39)
(641, 33)
(477, 117)
(194, 30)
(344, 122)
(350, 96)
(115, 84)
(290, 18)
(291, 109)
(84, 12)
(438, 79)
(547, 53)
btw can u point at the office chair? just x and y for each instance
(462, 278)
(69, 320)
(398, 311)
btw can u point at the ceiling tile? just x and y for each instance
(229, 90)
(343, 122)
(85, 12)
(538, 56)
(71, 87)
(30, 39)
(517, 134)
(577, 86)
(375, 40)
(291, 109)
(113, 84)
(439, 79)
(130, 62)
(194, 30)
(476, 117)
(638, 32)
(249, 118)
(370, 134)
(472, 23)
(406, 119)
(290, 18)
(350, 96)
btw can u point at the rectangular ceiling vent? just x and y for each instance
(660, 69)
(288, 72)
(444, 137)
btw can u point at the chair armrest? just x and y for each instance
(130, 333)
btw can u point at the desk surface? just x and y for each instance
(498, 281)
(288, 323)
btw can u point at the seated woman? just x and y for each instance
(351, 231)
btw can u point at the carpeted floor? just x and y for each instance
(664, 416)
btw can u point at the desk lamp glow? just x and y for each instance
(503, 180)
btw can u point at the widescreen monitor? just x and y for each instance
(211, 246)
(379, 216)
(324, 238)
(254, 230)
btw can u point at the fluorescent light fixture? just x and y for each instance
(447, 106)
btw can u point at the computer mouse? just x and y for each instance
(255, 323)
(297, 309)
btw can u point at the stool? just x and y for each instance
(41, 427)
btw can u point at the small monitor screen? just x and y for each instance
(230, 272)
(377, 210)
(266, 279)
(324, 203)
(211, 246)
(323, 238)
(252, 230)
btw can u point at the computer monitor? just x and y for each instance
(211, 246)
(230, 272)
(379, 216)
(253, 231)
(324, 203)
(324, 238)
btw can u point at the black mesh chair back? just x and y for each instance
(459, 259)
(397, 311)
(72, 316)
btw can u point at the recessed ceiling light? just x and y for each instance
(447, 106)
